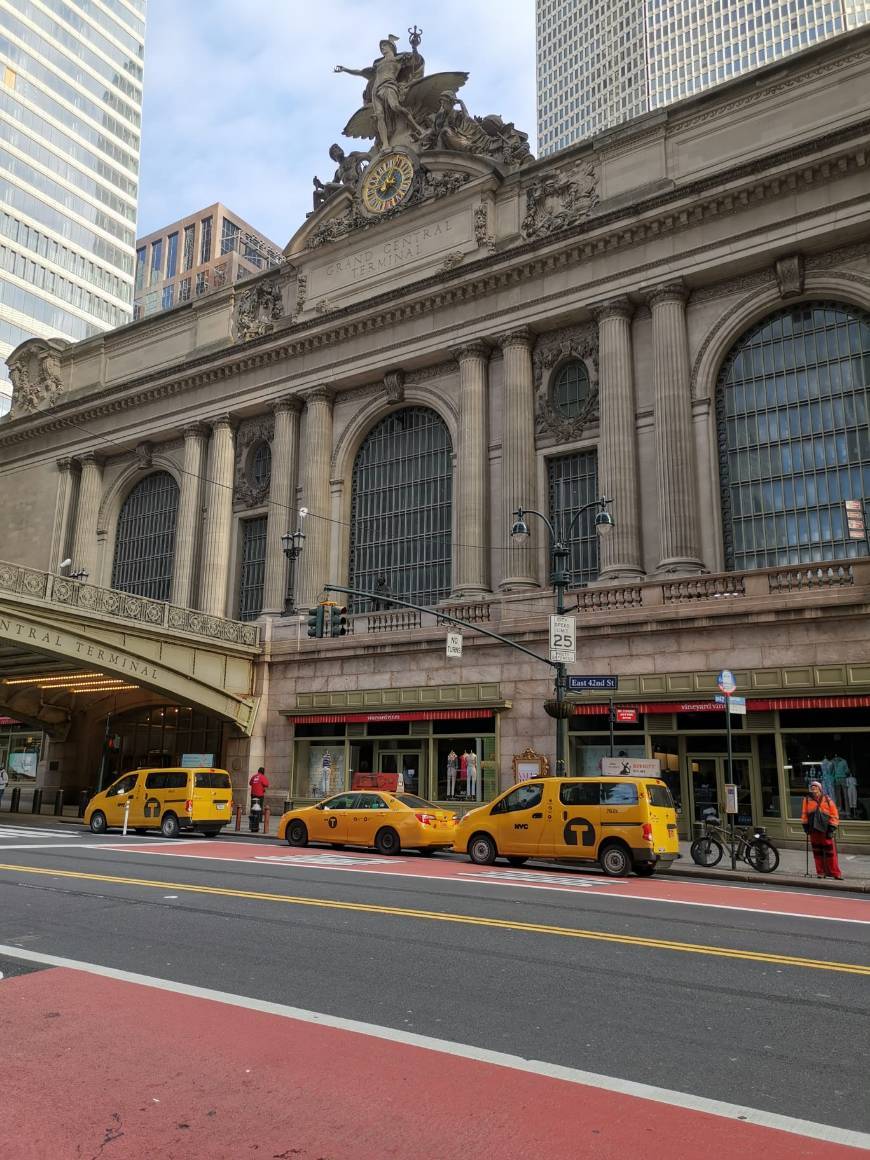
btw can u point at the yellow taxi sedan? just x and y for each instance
(388, 822)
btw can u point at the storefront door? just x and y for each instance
(408, 760)
(707, 778)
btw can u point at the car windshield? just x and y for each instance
(416, 803)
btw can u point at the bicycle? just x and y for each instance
(758, 851)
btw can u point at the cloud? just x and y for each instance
(241, 103)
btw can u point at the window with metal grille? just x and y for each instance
(145, 540)
(573, 482)
(261, 465)
(571, 389)
(792, 409)
(401, 542)
(253, 568)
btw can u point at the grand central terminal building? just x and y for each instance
(674, 315)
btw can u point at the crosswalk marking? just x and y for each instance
(37, 832)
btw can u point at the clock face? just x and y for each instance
(387, 183)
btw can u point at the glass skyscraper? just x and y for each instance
(601, 62)
(70, 121)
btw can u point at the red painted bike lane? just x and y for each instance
(678, 891)
(96, 1066)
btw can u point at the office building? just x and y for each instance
(601, 62)
(200, 253)
(70, 118)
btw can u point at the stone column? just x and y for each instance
(214, 574)
(471, 553)
(189, 512)
(63, 501)
(518, 458)
(282, 509)
(312, 569)
(621, 554)
(84, 550)
(675, 456)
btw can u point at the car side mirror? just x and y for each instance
(320, 806)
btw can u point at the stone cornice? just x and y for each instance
(663, 214)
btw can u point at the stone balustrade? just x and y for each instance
(108, 602)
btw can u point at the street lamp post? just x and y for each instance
(291, 545)
(559, 577)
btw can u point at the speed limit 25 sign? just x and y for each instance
(563, 639)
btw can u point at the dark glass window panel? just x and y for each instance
(473, 727)
(799, 439)
(145, 540)
(571, 389)
(401, 541)
(320, 730)
(253, 568)
(573, 482)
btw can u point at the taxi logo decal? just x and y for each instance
(569, 834)
(332, 822)
(152, 808)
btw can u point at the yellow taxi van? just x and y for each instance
(622, 823)
(169, 800)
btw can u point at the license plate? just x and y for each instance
(220, 805)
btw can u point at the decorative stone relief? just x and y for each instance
(258, 429)
(143, 454)
(552, 348)
(790, 276)
(394, 386)
(34, 370)
(258, 310)
(482, 236)
(560, 200)
(451, 261)
(301, 291)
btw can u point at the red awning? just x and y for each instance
(400, 715)
(9, 721)
(756, 705)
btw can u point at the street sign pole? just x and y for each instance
(610, 699)
(730, 772)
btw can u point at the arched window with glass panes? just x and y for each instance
(792, 410)
(145, 538)
(572, 482)
(401, 509)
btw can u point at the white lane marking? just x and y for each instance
(675, 1099)
(331, 861)
(38, 831)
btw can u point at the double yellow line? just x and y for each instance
(459, 919)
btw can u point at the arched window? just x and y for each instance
(145, 541)
(792, 409)
(571, 389)
(401, 503)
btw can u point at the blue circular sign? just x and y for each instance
(726, 682)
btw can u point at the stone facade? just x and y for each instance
(651, 249)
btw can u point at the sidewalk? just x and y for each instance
(792, 869)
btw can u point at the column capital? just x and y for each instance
(65, 464)
(225, 420)
(676, 291)
(194, 430)
(88, 458)
(521, 336)
(288, 403)
(474, 348)
(321, 394)
(621, 307)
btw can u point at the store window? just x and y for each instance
(793, 402)
(572, 483)
(157, 736)
(20, 751)
(838, 760)
(401, 509)
(145, 539)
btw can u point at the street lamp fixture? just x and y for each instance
(291, 543)
(81, 575)
(559, 577)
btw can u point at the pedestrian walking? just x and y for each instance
(820, 818)
(259, 783)
(4, 781)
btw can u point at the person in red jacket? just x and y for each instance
(820, 818)
(259, 783)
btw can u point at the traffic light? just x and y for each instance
(315, 620)
(337, 620)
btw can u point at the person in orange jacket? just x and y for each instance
(820, 818)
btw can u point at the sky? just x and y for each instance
(241, 102)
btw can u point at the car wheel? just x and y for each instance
(169, 826)
(482, 850)
(645, 869)
(387, 841)
(98, 822)
(517, 859)
(297, 833)
(615, 860)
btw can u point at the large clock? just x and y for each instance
(387, 183)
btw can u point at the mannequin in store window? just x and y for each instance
(851, 792)
(840, 771)
(452, 768)
(470, 759)
(826, 775)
